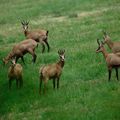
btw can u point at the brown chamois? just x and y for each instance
(52, 71)
(15, 71)
(40, 36)
(20, 49)
(112, 59)
(114, 46)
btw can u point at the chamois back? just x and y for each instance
(20, 49)
(40, 36)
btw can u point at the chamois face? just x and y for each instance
(13, 62)
(25, 25)
(105, 37)
(62, 55)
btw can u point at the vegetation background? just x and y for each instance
(85, 93)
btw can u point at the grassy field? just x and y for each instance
(85, 93)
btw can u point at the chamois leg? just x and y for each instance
(43, 46)
(109, 74)
(34, 57)
(21, 81)
(46, 42)
(58, 82)
(116, 73)
(40, 86)
(10, 84)
(17, 83)
(33, 54)
(53, 83)
(22, 59)
(45, 82)
(16, 59)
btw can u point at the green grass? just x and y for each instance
(85, 93)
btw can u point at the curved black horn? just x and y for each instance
(98, 42)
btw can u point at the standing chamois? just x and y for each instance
(20, 49)
(52, 71)
(40, 36)
(15, 71)
(114, 46)
(112, 59)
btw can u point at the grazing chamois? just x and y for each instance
(114, 46)
(20, 49)
(40, 36)
(112, 59)
(52, 71)
(15, 71)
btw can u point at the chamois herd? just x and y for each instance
(33, 38)
(52, 71)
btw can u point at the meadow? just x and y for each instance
(84, 93)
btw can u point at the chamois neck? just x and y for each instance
(61, 63)
(104, 52)
(10, 55)
(109, 43)
(26, 32)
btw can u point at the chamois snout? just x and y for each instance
(62, 57)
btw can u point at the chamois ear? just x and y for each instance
(59, 51)
(63, 50)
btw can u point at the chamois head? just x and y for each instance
(100, 46)
(105, 37)
(25, 25)
(61, 54)
(5, 61)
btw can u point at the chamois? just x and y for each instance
(15, 71)
(20, 49)
(112, 59)
(52, 71)
(40, 36)
(114, 46)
